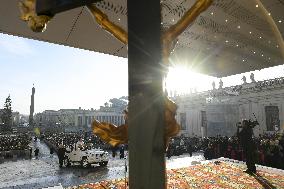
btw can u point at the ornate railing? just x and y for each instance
(236, 90)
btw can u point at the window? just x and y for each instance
(90, 120)
(272, 118)
(183, 121)
(79, 120)
(203, 119)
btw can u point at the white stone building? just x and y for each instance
(112, 112)
(86, 117)
(217, 111)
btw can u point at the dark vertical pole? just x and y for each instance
(31, 117)
(146, 105)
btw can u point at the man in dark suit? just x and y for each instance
(121, 152)
(61, 154)
(246, 140)
(36, 153)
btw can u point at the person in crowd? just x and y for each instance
(209, 152)
(170, 149)
(113, 150)
(168, 153)
(121, 152)
(80, 144)
(51, 150)
(61, 154)
(189, 149)
(36, 153)
(245, 137)
(31, 151)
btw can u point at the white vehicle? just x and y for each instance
(87, 157)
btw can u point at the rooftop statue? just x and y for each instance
(244, 79)
(220, 84)
(252, 78)
(213, 85)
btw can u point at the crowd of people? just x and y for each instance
(269, 148)
(69, 140)
(180, 145)
(14, 142)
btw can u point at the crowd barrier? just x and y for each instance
(14, 154)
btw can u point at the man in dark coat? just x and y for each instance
(189, 149)
(121, 152)
(246, 140)
(61, 154)
(51, 150)
(36, 153)
(31, 151)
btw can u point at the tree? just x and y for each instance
(6, 116)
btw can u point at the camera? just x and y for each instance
(253, 123)
(239, 124)
(248, 123)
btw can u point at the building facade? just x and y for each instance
(76, 119)
(217, 111)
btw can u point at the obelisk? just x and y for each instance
(31, 118)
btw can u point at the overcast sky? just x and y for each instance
(66, 77)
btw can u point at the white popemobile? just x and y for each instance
(87, 157)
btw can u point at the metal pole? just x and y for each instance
(146, 97)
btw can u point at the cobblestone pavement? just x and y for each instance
(45, 172)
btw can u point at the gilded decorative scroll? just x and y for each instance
(36, 23)
(175, 30)
(102, 19)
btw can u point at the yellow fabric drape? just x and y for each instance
(110, 133)
(116, 135)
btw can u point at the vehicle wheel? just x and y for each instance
(103, 163)
(84, 162)
(67, 163)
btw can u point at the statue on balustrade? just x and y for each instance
(252, 78)
(220, 84)
(213, 85)
(244, 80)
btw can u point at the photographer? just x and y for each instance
(245, 137)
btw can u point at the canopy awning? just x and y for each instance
(231, 37)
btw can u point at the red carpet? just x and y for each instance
(207, 176)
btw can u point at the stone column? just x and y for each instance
(281, 116)
(146, 97)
